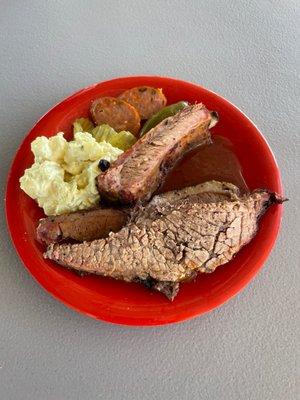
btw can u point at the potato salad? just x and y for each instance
(62, 178)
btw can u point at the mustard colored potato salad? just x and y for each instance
(62, 178)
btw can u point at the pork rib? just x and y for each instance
(137, 173)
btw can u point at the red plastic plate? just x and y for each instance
(128, 303)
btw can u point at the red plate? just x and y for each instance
(128, 303)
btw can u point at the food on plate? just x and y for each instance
(139, 171)
(81, 225)
(215, 161)
(174, 236)
(105, 133)
(158, 241)
(161, 115)
(147, 100)
(118, 114)
(62, 178)
(103, 165)
(125, 112)
(83, 125)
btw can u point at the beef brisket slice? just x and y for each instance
(175, 236)
(137, 173)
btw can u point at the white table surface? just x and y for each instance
(247, 52)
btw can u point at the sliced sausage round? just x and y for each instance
(145, 99)
(116, 113)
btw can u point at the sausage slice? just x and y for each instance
(145, 99)
(81, 225)
(116, 113)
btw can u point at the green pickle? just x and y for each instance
(104, 133)
(83, 125)
(166, 112)
(123, 140)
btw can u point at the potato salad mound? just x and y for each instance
(62, 178)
